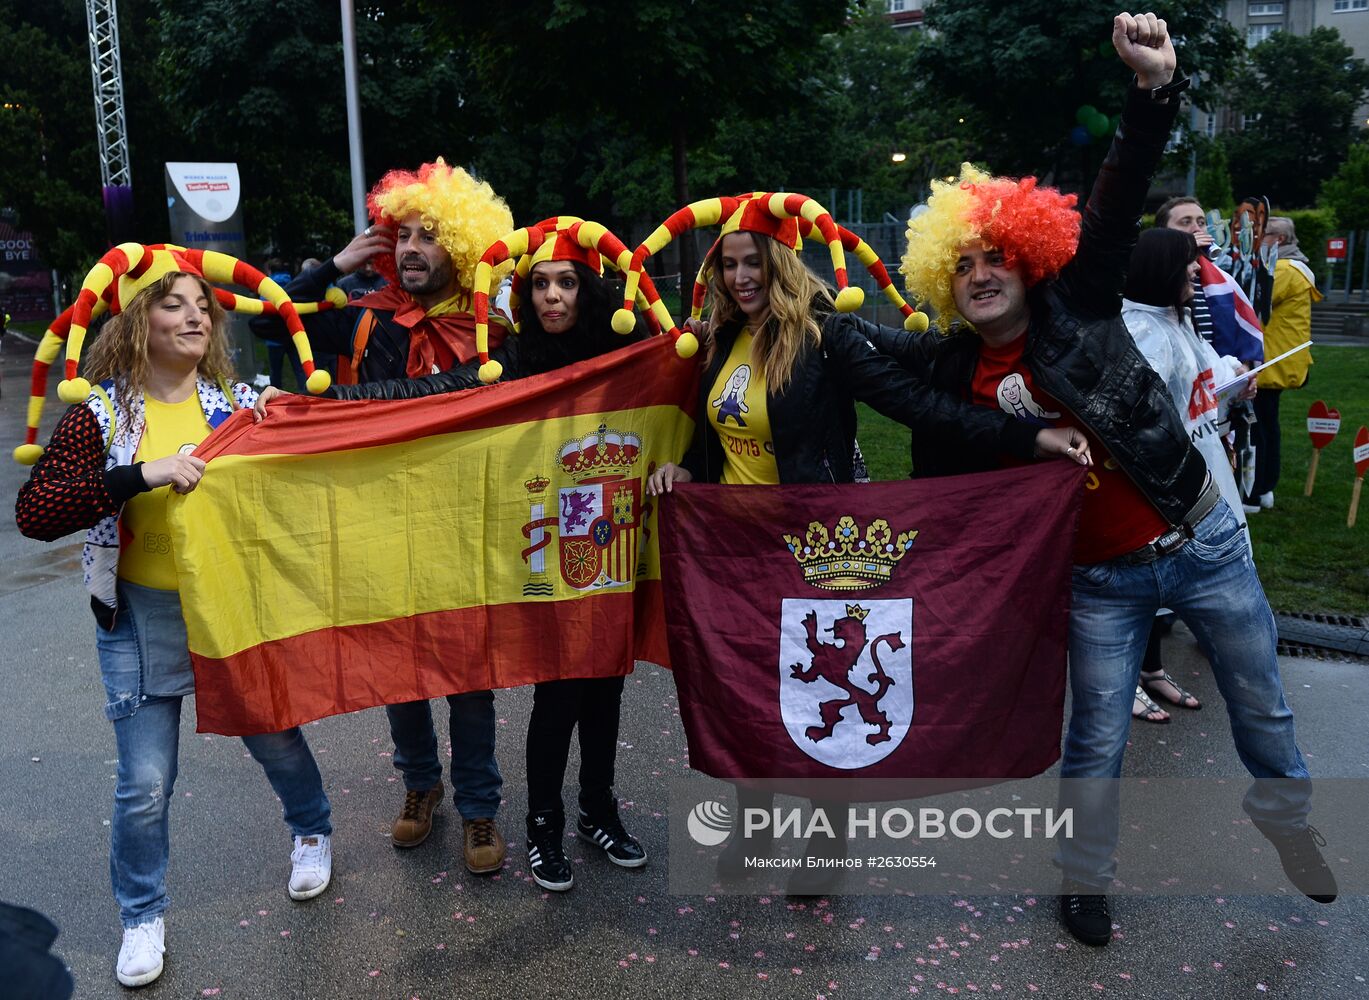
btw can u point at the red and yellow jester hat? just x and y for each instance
(774, 215)
(851, 243)
(114, 281)
(1035, 228)
(564, 238)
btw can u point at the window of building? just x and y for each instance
(1256, 33)
(1210, 126)
(1345, 6)
(1264, 9)
(897, 6)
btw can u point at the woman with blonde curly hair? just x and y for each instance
(160, 379)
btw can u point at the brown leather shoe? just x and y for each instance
(416, 818)
(485, 848)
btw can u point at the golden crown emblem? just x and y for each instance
(536, 484)
(603, 454)
(844, 559)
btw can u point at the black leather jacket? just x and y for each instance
(1078, 348)
(813, 421)
(331, 332)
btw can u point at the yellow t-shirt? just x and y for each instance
(146, 558)
(738, 412)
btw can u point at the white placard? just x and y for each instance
(1323, 425)
(212, 190)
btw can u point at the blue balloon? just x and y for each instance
(1079, 135)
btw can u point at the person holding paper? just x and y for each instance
(1157, 307)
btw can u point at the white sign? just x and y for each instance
(1323, 425)
(1361, 453)
(211, 190)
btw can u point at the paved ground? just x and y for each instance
(413, 924)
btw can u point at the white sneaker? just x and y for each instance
(1267, 500)
(311, 866)
(1251, 508)
(140, 956)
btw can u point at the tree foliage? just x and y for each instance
(1346, 193)
(1027, 69)
(50, 170)
(1213, 186)
(1299, 95)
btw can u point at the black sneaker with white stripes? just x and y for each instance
(606, 830)
(547, 860)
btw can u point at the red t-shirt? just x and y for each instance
(1116, 517)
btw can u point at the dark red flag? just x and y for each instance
(914, 629)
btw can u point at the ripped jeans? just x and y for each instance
(145, 683)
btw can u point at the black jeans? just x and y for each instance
(1268, 449)
(557, 706)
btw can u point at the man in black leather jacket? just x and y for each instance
(1043, 339)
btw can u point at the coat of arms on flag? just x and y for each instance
(911, 630)
(597, 517)
(847, 702)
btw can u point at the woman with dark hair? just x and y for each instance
(156, 381)
(1157, 309)
(570, 321)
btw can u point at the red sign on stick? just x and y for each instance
(1322, 424)
(1362, 452)
(1335, 248)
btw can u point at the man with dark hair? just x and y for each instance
(1037, 291)
(419, 325)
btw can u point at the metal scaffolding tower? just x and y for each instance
(107, 76)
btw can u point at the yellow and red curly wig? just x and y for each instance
(1035, 228)
(465, 213)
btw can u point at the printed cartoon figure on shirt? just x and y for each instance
(1016, 398)
(731, 402)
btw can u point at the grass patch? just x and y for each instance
(1307, 558)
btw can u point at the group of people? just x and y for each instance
(1038, 355)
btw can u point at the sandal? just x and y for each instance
(1154, 686)
(1145, 709)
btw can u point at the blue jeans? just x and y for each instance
(146, 734)
(476, 782)
(1211, 585)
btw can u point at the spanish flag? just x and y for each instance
(343, 555)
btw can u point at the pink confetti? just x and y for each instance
(244, 923)
(284, 933)
(213, 991)
(373, 973)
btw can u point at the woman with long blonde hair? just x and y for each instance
(158, 380)
(784, 362)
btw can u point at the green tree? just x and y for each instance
(1299, 95)
(1213, 186)
(260, 83)
(1028, 69)
(50, 170)
(660, 74)
(1346, 193)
